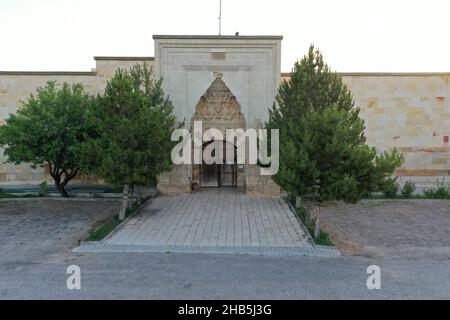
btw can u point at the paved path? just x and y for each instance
(213, 221)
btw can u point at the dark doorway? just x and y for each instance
(219, 175)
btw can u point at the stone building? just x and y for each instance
(231, 82)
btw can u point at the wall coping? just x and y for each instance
(74, 73)
(384, 74)
(48, 73)
(216, 37)
(105, 58)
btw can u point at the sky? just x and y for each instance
(354, 35)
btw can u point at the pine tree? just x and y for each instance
(323, 154)
(132, 123)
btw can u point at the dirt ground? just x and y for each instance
(36, 230)
(395, 229)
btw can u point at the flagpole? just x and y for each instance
(220, 18)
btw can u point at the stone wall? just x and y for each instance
(17, 86)
(257, 185)
(407, 111)
(412, 113)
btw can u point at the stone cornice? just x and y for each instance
(216, 37)
(384, 74)
(103, 58)
(48, 73)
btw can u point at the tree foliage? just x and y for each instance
(323, 154)
(132, 123)
(49, 129)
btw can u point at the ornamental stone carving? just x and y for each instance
(219, 108)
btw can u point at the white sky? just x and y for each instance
(354, 35)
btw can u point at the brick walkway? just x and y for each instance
(213, 220)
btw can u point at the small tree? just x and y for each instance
(49, 129)
(408, 189)
(133, 124)
(323, 154)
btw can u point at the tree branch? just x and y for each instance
(70, 176)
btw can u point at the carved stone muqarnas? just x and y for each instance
(219, 108)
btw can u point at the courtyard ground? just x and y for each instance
(394, 229)
(36, 230)
(37, 236)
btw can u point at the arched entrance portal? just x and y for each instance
(218, 108)
(219, 175)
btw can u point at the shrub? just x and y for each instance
(442, 192)
(43, 189)
(429, 194)
(390, 189)
(408, 189)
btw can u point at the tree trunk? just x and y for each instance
(131, 196)
(60, 187)
(317, 225)
(298, 202)
(139, 195)
(308, 217)
(125, 199)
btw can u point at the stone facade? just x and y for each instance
(412, 113)
(409, 111)
(249, 68)
(218, 108)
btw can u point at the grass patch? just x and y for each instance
(398, 197)
(14, 196)
(429, 196)
(324, 239)
(109, 225)
(6, 196)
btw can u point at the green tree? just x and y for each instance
(323, 154)
(48, 130)
(132, 123)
